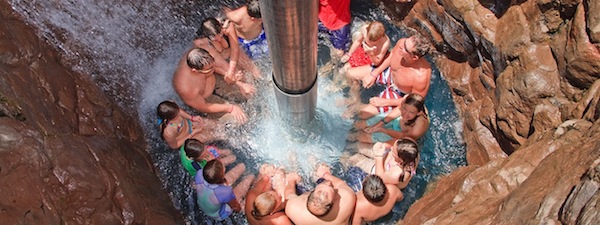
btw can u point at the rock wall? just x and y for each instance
(68, 155)
(524, 76)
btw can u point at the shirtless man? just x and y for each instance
(375, 200)
(247, 21)
(410, 73)
(194, 81)
(330, 203)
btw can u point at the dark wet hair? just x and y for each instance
(233, 4)
(213, 172)
(317, 206)
(209, 28)
(407, 150)
(253, 9)
(166, 111)
(193, 148)
(197, 58)
(418, 102)
(373, 188)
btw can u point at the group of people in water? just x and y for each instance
(219, 71)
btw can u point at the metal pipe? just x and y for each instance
(291, 29)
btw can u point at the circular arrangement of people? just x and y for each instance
(382, 81)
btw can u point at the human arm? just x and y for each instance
(380, 154)
(199, 103)
(235, 51)
(323, 171)
(358, 38)
(369, 80)
(379, 101)
(292, 180)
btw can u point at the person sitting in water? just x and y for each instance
(248, 24)
(331, 202)
(216, 198)
(194, 155)
(396, 164)
(405, 71)
(375, 200)
(367, 52)
(412, 123)
(265, 202)
(176, 125)
(194, 82)
(222, 44)
(334, 21)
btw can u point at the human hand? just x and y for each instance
(345, 58)
(247, 89)
(322, 169)
(232, 77)
(293, 177)
(238, 114)
(377, 101)
(369, 80)
(380, 149)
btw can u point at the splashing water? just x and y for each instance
(131, 52)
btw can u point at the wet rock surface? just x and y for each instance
(530, 109)
(68, 155)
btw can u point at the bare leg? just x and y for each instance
(365, 137)
(227, 159)
(241, 189)
(234, 173)
(368, 111)
(357, 73)
(360, 124)
(365, 149)
(363, 162)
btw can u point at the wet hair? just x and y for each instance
(213, 172)
(407, 150)
(193, 148)
(166, 111)
(197, 58)
(418, 102)
(375, 31)
(373, 188)
(253, 9)
(209, 28)
(316, 204)
(422, 46)
(264, 204)
(233, 4)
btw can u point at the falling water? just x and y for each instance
(131, 48)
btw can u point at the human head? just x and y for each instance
(209, 28)
(412, 107)
(375, 31)
(417, 45)
(373, 188)
(214, 172)
(253, 9)
(167, 110)
(407, 150)
(193, 148)
(320, 200)
(233, 4)
(265, 204)
(199, 59)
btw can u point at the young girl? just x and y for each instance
(396, 164)
(177, 125)
(413, 122)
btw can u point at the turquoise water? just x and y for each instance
(132, 56)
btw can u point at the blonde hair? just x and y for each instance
(264, 204)
(375, 31)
